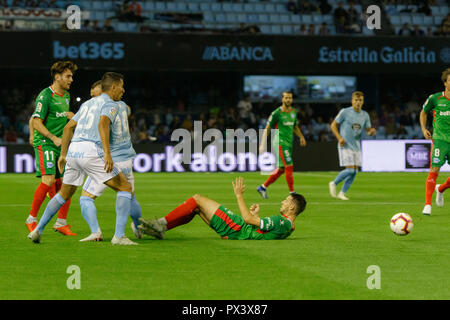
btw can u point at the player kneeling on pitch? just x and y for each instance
(249, 226)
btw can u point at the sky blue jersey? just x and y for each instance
(351, 126)
(88, 117)
(119, 138)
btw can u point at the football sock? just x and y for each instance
(273, 177)
(349, 180)
(62, 214)
(181, 214)
(430, 186)
(343, 175)
(290, 178)
(38, 198)
(444, 186)
(135, 212)
(52, 207)
(89, 212)
(123, 205)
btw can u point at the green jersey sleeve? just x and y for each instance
(42, 105)
(273, 119)
(430, 103)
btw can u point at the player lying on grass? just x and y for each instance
(225, 223)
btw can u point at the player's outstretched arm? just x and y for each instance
(335, 130)
(103, 130)
(423, 124)
(239, 188)
(31, 128)
(262, 145)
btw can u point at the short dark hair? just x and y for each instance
(445, 75)
(286, 91)
(60, 66)
(109, 79)
(300, 203)
(96, 83)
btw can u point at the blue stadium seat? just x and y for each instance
(181, 7)
(215, 6)
(227, 7)
(287, 29)
(98, 15)
(276, 29)
(238, 7)
(295, 18)
(274, 18)
(171, 6)
(428, 20)
(160, 6)
(221, 18)
(97, 5)
(259, 7)
(418, 19)
(328, 18)
(249, 7)
(263, 18)
(317, 18)
(193, 7)
(444, 10)
(208, 17)
(269, 7)
(284, 18)
(253, 18)
(395, 19)
(242, 17)
(108, 5)
(205, 7)
(148, 6)
(122, 27)
(265, 29)
(231, 17)
(307, 18)
(281, 8)
(438, 20)
(405, 18)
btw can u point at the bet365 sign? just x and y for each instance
(89, 50)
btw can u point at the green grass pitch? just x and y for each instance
(326, 257)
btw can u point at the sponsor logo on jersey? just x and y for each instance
(49, 165)
(288, 123)
(67, 101)
(61, 114)
(444, 113)
(39, 107)
(436, 160)
(113, 111)
(356, 126)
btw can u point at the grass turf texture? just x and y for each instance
(326, 257)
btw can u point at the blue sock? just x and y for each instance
(123, 206)
(135, 212)
(343, 175)
(50, 210)
(348, 182)
(89, 212)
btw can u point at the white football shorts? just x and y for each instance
(85, 158)
(349, 157)
(97, 189)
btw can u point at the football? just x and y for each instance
(401, 224)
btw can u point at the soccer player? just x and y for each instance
(227, 224)
(284, 119)
(439, 103)
(122, 153)
(49, 118)
(348, 127)
(89, 154)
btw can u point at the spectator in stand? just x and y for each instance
(292, 6)
(353, 14)
(340, 13)
(9, 25)
(131, 11)
(312, 30)
(425, 9)
(429, 32)
(11, 135)
(303, 31)
(325, 7)
(245, 110)
(86, 26)
(416, 31)
(107, 27)
(405, 30)
(342, 25)
(323, 31)
(438, 32)
(306, 7)
(95, 26)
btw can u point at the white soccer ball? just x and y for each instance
(401, 224)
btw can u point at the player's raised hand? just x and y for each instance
(254, 209)
(109, 164)
(61, 163)
(238, 186)
(426, 134)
